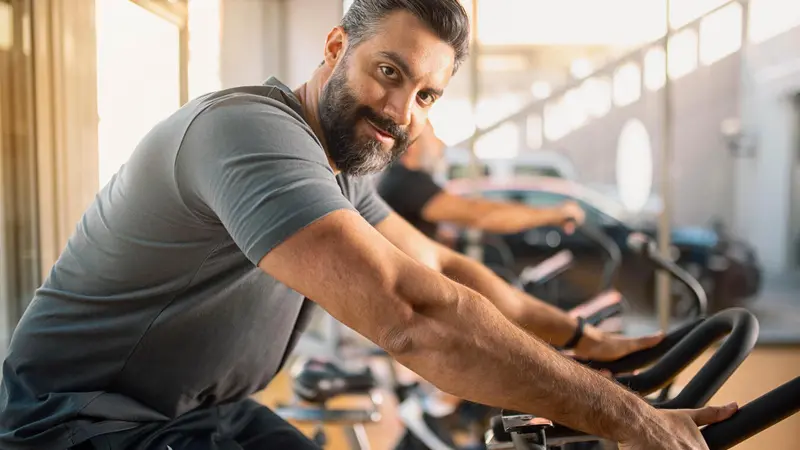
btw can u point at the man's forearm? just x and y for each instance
(513, 218)
(468, 348)
(535, 316)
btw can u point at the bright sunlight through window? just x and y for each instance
(682, 53)
(721, 34)
(138, 78)
(627, 84)
(655, 66)
(205, 41)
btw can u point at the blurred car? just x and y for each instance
(727, 267)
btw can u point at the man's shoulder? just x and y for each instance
(254, 116)
(263, 102)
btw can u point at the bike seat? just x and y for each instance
(318, 381)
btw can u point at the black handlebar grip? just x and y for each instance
(754, 417)
(740, 325)
(643, 358)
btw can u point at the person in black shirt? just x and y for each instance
(409, 188)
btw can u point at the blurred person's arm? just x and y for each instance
(497, 216)
(437, 205)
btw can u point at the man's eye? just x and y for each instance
(425, 98)
(388, 72)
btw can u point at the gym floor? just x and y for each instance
(747, 383)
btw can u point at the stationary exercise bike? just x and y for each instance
(317, 381)
(513, 430)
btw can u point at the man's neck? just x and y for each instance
(309, 93)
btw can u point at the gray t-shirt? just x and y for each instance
(156, 306)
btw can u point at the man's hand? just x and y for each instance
(599, 346)
(678, 429)
(570, 215)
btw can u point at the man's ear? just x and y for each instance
(335, 46)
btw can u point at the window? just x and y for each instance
(596, 96)
(682, 53)
(138, 78)
(627, 84)
(655, 68)
(683, 12)
(205, 39)
(721, 34)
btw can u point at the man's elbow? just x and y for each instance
(418, 324)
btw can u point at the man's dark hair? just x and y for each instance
(446, 18)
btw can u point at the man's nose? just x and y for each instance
(399, 107)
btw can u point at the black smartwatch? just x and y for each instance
(573, 342)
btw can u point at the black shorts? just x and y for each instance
(245, 425)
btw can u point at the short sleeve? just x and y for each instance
(407, 191)
(254, 166)
(368, 203)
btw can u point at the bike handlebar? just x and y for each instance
(642, 358)
(754, 417)
(740, 325)
(643, 245)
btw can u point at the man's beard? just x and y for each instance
(339, 113)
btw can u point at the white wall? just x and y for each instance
(308, 23)
(251, 41)
(284, 38)
(764, 207)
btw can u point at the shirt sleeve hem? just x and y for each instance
(293, 224)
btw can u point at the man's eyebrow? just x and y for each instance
(402, 64)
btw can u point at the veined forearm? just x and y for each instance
(535, 316)
(471, 350)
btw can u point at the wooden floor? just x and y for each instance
(765, 369)
(382, 435)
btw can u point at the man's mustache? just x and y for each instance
(384, 123)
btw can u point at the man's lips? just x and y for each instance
(380, 130)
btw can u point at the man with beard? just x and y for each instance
(409, 189)
(184, 286)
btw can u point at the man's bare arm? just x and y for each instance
(489, 215)
(446, 332)
(539, 318)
